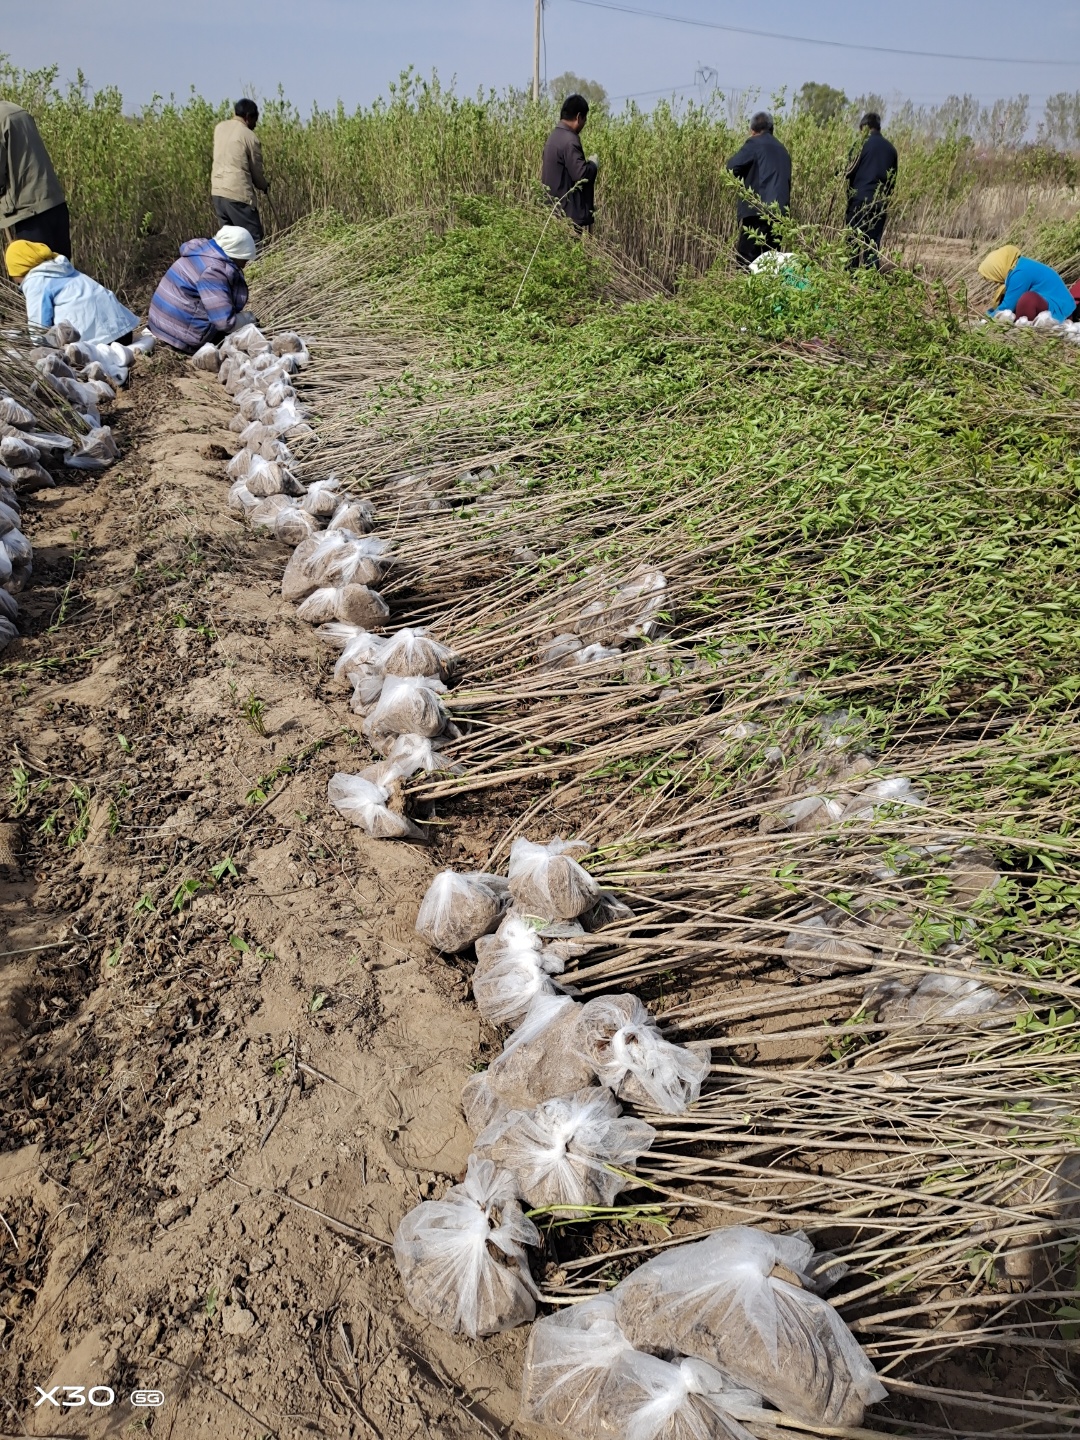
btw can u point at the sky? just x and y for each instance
(325, 50)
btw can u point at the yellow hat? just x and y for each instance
(22, 255)
(997, 267)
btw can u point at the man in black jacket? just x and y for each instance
(565, 172)
(871, 177)
(764, 167)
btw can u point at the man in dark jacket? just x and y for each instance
(568, 177)
(871, 177)
(764, 167)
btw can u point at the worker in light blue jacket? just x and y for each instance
(1026, 286)
(54, 290)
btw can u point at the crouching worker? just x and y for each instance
(202, 295)
(1026, 287)
(54, 291)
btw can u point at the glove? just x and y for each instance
(593, 160)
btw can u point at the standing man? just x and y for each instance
(568, 177)
(764, 167)
(32, 204)
(871, 178)
(238, 170)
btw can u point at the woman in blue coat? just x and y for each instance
(1027, 287)
(54, 290)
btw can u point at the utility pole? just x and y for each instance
(536, 50)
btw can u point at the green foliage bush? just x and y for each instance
(138, 183)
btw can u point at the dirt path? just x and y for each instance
(218, 1028)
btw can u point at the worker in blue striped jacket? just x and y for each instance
(202, 295)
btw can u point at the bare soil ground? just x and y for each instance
(228, 1064)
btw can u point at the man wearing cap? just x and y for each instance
(32, 204)
(764, 167)
(202, 295)
(871, 179)
(238, 170)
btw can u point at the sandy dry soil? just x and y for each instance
(228, 1064)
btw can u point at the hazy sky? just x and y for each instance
(322, 50)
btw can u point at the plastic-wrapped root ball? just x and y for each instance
(895, 790)
(545, 880)
(207, 357)
(415, 652)
(458, 908)
(366, 805)
(241, 500)
(408, 705)
(582, 1378)
(717, 1299)
(292, 525)
(463, 1260)
(628, 1053)
(323, 497)
(542, 1059)
(350, 604)
(407, 756)
(568, 1152)
(512, 968)
(355, 515)
(359, 648)
(12, 413)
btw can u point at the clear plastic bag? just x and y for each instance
(462, 1259)
(457, 909)
(407, 706)
(241, 501)
(288, 342)
(415, 652)
(293, 526)
(565, 1152)
(249, 339)
(627, 1052)
(627, 614)
(207, 357)
(366, 805)
(407, 756)
(355, 515)
(360, 651)
(541, 1060)
(263, 516)
(895, 790)
(935, 998)
(332, 560)
(324, 497)
(545, 880)
(16, 450)
(717, 1299)
(12, 413)
(816, 946)
(349, 604)
(583, 1379)
(512, 968)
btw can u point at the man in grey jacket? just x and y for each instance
(238, 170)
(32, 204)
(568, 177)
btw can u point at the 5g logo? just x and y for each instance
(99, 1396)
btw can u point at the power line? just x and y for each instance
(809, 40)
